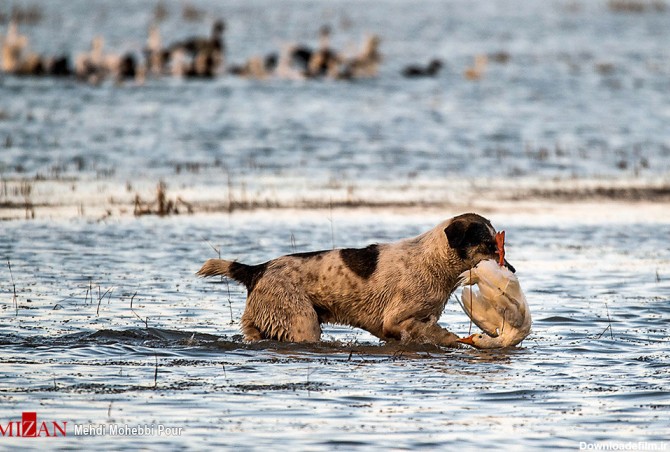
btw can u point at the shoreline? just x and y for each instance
(580, 211)
(29, 199)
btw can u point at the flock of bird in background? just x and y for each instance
(204, 57)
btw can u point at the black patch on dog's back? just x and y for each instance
(247, 274)
(362, 261)
(308, 254)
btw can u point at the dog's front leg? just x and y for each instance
(423, 331)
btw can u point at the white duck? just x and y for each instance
(499, 308)
(13, 47)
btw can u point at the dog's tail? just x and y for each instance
(215, 267)
(246, 274)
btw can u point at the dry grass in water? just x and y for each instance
(146, 320)
(15, 299)
(161, 206)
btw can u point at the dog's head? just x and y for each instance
(473, 238)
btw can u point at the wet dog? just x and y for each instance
(396, 291)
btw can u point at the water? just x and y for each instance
(111, 327)
(91, 359)
(548, 117)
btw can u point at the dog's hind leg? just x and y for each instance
(281, 312)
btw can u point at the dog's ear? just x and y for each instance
(464, 233)
(456, 233)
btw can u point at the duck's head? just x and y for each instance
(218, 27)
(480, 341)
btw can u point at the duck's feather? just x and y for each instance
(480, 310)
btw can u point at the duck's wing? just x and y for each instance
(481, 311)
(514, 307)
(495, 275)
(487, 271)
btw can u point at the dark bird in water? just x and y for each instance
(207, 54)
(127, 68)
(197, 44)
(324, 60)
(414, 70)
(270, 61)
(300, 56)
(59, 66)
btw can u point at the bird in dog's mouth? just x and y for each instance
(499, 305)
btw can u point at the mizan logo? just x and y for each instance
(28, 426)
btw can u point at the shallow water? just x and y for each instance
(90, 359)
(103, 321)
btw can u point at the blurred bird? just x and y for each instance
(415, 70)
(91, 66)
(206, 54)
(477, 71)
(13, 47)
(156, 57)
(324, 61)
(366, 63)
(286, 67)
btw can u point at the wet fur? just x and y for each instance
(396, 291)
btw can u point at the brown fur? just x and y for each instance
(396, 291)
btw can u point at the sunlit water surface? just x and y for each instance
(109, 324)
(594, 368)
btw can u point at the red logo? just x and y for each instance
(28, 426)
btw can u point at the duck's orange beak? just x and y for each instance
(500, 244)
(467, 340)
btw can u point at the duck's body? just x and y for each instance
(499, 307)
(13, 48)
(324, 61)
(366, 63)
(92, 66)
(415, 70)
(156, 56)
(205, 56)
(477, 71)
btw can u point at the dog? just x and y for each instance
(396, 291)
